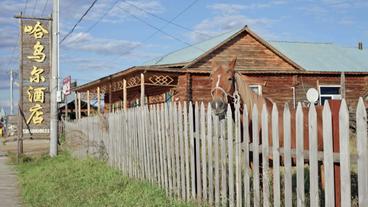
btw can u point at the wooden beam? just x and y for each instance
(79, 106)
(98, 100)
(124, 95)
(142, 89)
(88, 104)
(110, 98)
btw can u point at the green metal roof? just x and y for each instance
(310, 56)
(324, 56)
(190, 53)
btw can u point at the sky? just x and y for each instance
(118, 34)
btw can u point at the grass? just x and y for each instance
(65, 181)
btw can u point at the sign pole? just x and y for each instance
(54, 78)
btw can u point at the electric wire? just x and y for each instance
(79, 21)
(34, 8)
(44, 7)
(170, 21)
(160, 30)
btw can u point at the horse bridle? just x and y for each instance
(235, 96)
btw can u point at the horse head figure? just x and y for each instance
(222, 86)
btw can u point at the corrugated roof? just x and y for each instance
(310, 56)
(189, 53)
(324, 56)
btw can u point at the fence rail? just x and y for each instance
(192, 154)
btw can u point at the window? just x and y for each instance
(327, 92)
(256, 89)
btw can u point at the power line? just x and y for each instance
(100, 19)
(170, 21)
(44, 7)
(79, 21)
(25, 7)
(159, 29)
(34, 8)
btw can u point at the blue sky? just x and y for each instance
(120, 40)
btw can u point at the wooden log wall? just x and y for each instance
(277, 87)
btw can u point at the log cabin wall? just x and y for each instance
(250, 53)
(278, 87)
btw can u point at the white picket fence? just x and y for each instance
(192, 155)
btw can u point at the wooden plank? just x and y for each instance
(299, 156)
(362, 147)
(181, 150)
(176, 148)
(238, 162)
(265, 157)
(246, 157)
(230, 155)
(256, 182)
(186, 151)
(276, 157)
(98, 100)
(210, 160)
(216, 160)
(328, 156)
(313, 160)
(165, 157)
(142, 90)
(168, 141)
(197, 153)
(224, 200)
(79, 106)
(88, 104)
(344, 154)
(192, 151)
(158, 147)
(126, 143)
(125, 95)
(149, 143)
(204, 153)
(155, 161)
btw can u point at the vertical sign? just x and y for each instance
(35, 69)
(67, 85)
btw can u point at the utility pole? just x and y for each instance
(54, 78)
(11, 92)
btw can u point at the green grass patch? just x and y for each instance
(65, 181)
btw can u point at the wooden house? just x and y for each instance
(282, 71)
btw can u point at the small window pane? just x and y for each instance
(255, 89)
(330, 90)
(323, 99)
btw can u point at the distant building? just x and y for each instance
(280, 70)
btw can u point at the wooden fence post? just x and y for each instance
(287, 157)
(344, 155)
(328, 155)
(361, 118)
(313, 159)
(88, 104)
(124, 95)
(98, 100)
(265, 156)
(142, 90)
(300, 156)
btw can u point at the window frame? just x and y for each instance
(333, 96)
(259, 88)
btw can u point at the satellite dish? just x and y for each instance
(312, 95)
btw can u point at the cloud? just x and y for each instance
(86, 42)
(229, 9)
(228, 17)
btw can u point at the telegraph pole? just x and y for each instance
(11, 92)
(54, 78)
